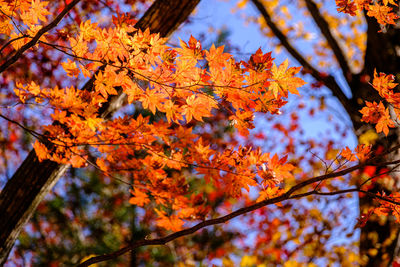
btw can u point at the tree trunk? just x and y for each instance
(33, 179)
(379, 237)
(379, 241)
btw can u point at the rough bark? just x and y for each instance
(33, 180)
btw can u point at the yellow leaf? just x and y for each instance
(227, 262)
(248, 261)
(242, 4)
(368, 138)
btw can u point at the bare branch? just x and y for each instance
(286, 196)
(339, 192)
(326, 32)
(12, 40)
(329, 81)
(36, 38)
(32, 132)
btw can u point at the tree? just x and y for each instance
(44, 176)
(177, 138)
(358, 55)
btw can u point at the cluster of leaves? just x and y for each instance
(382, 10)
(337, 43)
(21, 23)
(377, 113)
(186, 84)
(169, 145)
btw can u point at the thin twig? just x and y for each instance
(36, 38)
(329, 81)
(332, 42)
(223, 219)
(32, 132)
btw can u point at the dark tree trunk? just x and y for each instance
(379, 237)
(33, 179)
(379, 241)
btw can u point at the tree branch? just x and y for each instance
(326, 32)
(329, 80)
(21, 195)
(36, 38)
(286, 196)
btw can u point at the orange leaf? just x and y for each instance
(172, 222)
(41, 151)
(382, 14)
(383, 83)
(283, 80)
(348, 154)
(139, 198)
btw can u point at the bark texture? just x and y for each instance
(33, 180)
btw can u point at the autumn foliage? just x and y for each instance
(383, 11)
(179, 85)
(183, 140)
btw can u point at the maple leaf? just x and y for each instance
(79, 46)
(198, 107)
(6, 26)
(383, 83)
(93, 122)
(269, 192)
(36, 13)
(172, 222)
(203, 150)
(132, 90)
(192, 50)
(283, 80)
(77, 161)
(371, 113)
(216, 56)
(392, 2)
(259, 61)
(104, 85)
(363, 152)
(33, 88)
(386, 208)
(88, 30)
(384, 123)
(139, 197)
(362, 4)
(124, 20)
(243, 121)
(70, 68)
(151, 100)
(101, 163)
(346, 6)
(41, 151)
(348, 154)
(39, 10)
(277, 170)
(382, 14)
(377, 113)
(172, 111)
(194, 44)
